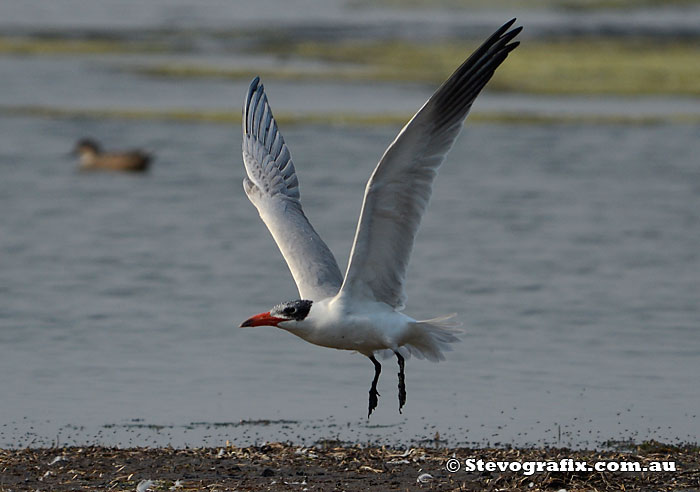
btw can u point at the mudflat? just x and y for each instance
(334, 466)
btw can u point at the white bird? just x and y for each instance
(362, 311)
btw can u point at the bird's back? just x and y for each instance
(135, 161)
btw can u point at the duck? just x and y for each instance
(92, 158)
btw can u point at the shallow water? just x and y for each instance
(332, 18)
(51, 82)
(570, 253)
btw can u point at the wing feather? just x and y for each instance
(272, 186)
(399, 189)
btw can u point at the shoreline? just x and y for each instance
(333, 466)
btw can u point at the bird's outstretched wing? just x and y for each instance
(399, 189)
(272, 186)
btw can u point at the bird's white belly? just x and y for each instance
(375, 329)
(359, 336)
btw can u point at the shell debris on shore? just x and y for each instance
(330, 466)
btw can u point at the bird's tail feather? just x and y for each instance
(428, 339)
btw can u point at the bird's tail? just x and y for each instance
(430, 338)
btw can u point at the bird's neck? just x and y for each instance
(302, 329)
(88, 158)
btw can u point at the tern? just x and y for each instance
(362, 311)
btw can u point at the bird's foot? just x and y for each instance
(402, 391)
(373, 393)
(373, 400)
(402, 381)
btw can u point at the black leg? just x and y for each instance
(373, 394)
(402, 382)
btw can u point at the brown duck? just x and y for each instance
(92, 158)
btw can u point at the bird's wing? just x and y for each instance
(400, 186)
(272, 186)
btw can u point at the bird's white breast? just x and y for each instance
(365, 328)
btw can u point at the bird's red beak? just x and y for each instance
(262, 319)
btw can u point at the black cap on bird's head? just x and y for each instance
(287, 311)
(86, 144)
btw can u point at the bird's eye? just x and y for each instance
(289, 310)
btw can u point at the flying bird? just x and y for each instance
(361, 311)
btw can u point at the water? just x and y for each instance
(332, 18)
(570, 253)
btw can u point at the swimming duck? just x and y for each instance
(92, 158)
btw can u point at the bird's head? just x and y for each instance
(87, 151)
(86, 146)
(287, 311)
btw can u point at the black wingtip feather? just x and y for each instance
(454, 98)
(254, 88)
(251, 90)
(501, 30)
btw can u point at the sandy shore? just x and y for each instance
(329, 466)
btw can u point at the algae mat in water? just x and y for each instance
(601, 66)
(568, 66)
(340, 119)
(61, 46)
(563, 67)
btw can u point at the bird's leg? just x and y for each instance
(402, 382)
(373, 394)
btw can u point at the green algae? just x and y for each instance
(347, 119)
(184, 70)
(633, 67)
(561, 67)
(62, 46)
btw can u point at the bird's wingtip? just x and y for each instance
(255, 85)
(508, 25)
